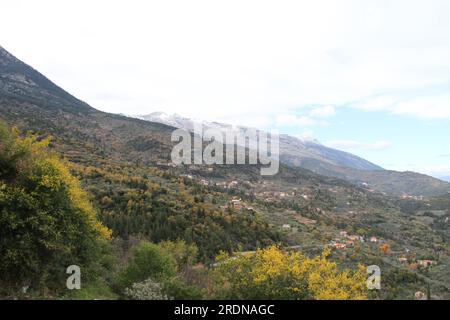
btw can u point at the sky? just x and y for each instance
(368, 77)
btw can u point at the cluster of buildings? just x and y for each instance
(228, 184)
(344, 240)
(225, 184)
(421, 263)
(305, 221)
(237, 204)
(426, 263)
(274, 196)
(409, 197)
(166, 164)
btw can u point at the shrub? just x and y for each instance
(148, 261)
(275, 274)
(146, 290)
(46, 220)
(178, 289)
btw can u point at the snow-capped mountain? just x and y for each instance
(312, 155)
(302, 152)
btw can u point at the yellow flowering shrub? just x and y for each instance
(272, 273)
(47, 222)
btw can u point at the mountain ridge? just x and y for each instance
(289, 145)
(32, 102)
(311, 155)
(17, 79)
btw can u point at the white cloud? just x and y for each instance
(323, 112)
(218, 60)
(352, 145)
(289, 120)
(436, 107)
(315, 117)
(426, 107)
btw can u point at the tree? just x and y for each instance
(46, 220)
(148, 261)
(385, 249)
(276, 274)
(185, 254)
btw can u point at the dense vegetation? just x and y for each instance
(161, 206)
(46, 220)
(48, 224)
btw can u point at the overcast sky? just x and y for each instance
(369, 77)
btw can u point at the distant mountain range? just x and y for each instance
(312, 155)
(299, 150)
(32, 102)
